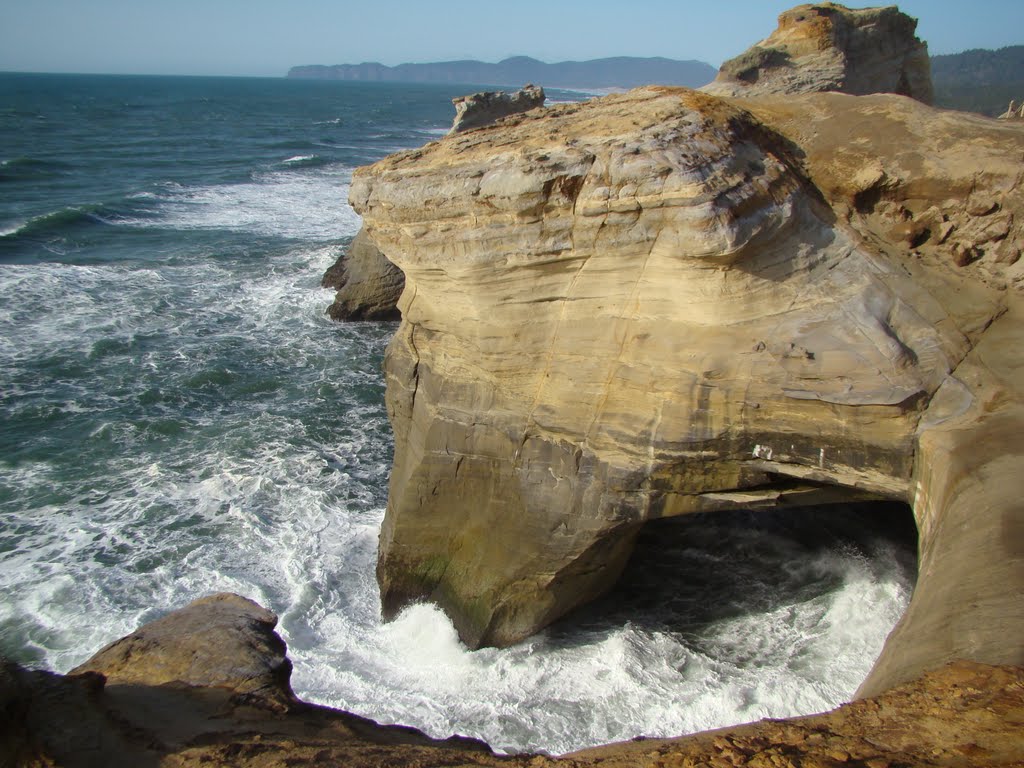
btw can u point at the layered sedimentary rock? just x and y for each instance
(134, 709)
(480, 109)
(827, 47)
(664, 302)
(367, 284)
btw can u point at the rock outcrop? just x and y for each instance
(223, 640)
(827, 47)
(158, 709)
(664, 302)
(368, 285)
(487, 107)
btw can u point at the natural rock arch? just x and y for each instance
(662, 302)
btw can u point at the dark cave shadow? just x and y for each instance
(688, 573)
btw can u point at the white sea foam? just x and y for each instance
(307, 204)
(626, 682)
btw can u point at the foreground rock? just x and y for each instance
(827, 47)
(223, 640)
(155, 708)
(480, 109)
(368, 285)
(662, 302)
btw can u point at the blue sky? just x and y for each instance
(265, 38)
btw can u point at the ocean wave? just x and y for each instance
(24, 168)
(11, 228)
(61, 222)
(306, 161)
(293, 144)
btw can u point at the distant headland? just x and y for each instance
(617, 72)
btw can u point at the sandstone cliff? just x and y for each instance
(827, 47)
(664, 302)
(208, 686)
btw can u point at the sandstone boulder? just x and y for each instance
(828, 47)
(223, 640)
(663, 302)
(368, 284)
(480, 109)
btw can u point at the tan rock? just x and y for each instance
(660, 302)
(485, 108)
(222, 640)
(828, 47)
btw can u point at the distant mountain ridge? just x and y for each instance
(617, 72)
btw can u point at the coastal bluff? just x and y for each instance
(664, 302)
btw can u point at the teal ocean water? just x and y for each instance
(178, 416)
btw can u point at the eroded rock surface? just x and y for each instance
(828, 47)
(368, 284)
(663, 302)
(480, 109)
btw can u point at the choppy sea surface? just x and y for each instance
(178, 416)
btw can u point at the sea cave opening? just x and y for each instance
(804, 594)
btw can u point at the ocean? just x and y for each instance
(178, 416)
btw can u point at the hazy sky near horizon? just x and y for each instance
(266, 37)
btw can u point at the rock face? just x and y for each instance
(148, 712)
(480, 109)
(827, 47)
(663, 302)
(193, 645)
(368, 284)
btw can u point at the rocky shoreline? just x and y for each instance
(208, 685)
(656, 303)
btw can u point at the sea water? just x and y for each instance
(178, 417)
